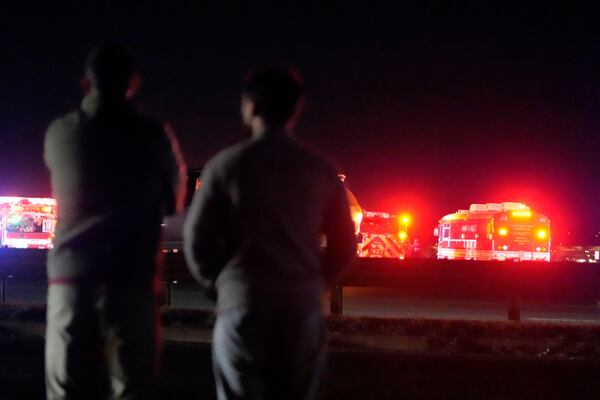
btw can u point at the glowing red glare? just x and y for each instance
(502, 231)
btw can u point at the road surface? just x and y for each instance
(385, 302)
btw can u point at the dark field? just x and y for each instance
(369, 358)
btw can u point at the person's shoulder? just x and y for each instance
(63, 128)
(154, 132)
(229, 156)
(149, 123)
(65, 122)
(316, 158)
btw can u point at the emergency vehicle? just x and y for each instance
(494, 231)
(378, 234)
(381, 236)
(27, 222)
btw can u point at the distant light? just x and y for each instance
(502, 231)
(505, 247)
(538, 249)
(405, 219)
(357, 217)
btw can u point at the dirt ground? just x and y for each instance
(498, 338)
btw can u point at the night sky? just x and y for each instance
(426, 108)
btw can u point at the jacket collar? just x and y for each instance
(94, 101)
(274, 134)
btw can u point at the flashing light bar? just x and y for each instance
(521, 213)
(28, 200)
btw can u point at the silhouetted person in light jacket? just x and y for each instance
(254, 232)
(115, 173)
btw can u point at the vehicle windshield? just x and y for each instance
(381, 225)
(24, 223)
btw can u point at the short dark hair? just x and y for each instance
(276, 91)
(110, 67)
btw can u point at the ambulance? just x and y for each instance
(27, 222)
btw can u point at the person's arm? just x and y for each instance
(51, 148)
(175, 174)
(339, 230)
(203, 239)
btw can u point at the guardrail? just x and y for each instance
(510, 281)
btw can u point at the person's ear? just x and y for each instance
(85, 85)
(134, 85)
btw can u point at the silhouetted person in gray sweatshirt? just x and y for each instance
(115, 173)
(254, 233)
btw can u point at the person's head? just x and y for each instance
(110, 70)
(271, 98)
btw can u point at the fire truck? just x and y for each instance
(378, 234)
(381, 236)
(27, 222)
(494, 231)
